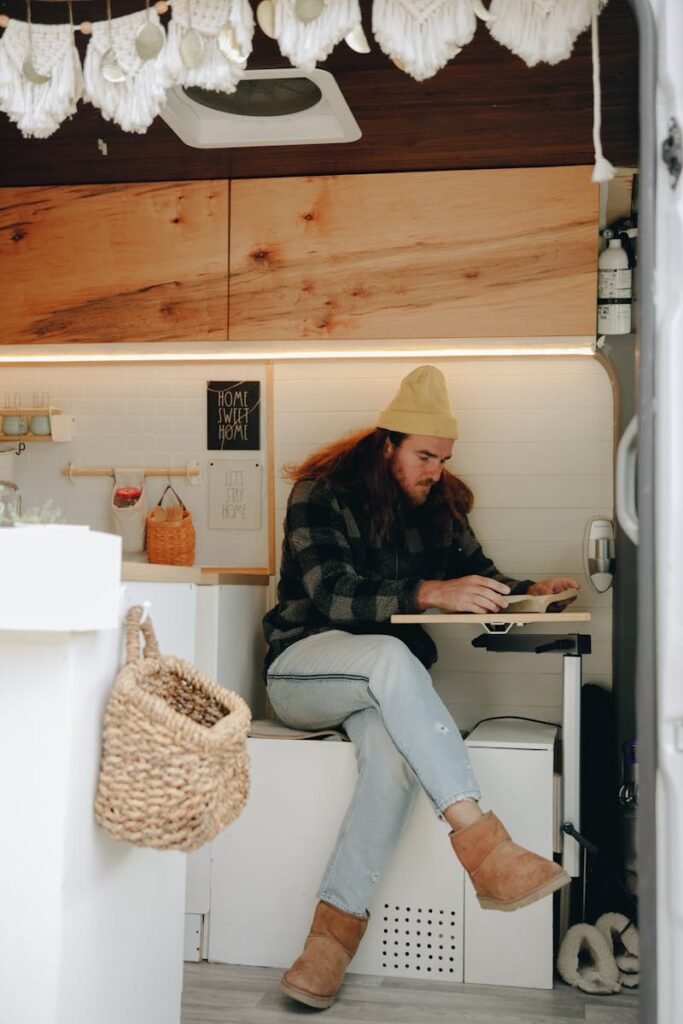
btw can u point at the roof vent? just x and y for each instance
(273, 107)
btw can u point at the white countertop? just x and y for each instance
(59, 578)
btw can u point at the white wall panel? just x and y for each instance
(132, 416)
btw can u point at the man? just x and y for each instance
(376, 526)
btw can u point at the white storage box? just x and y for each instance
(266, 869)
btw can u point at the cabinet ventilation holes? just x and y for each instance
(419, 941)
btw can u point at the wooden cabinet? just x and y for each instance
(446, 254)
(452, 254)
(135, 262)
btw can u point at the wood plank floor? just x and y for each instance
(222, 994)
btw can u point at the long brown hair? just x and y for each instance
(358, 462)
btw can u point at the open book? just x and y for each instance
(539, 602)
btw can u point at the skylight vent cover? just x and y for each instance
(207, 120)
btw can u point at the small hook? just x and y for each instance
(146, 605)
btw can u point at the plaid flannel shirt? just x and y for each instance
(335, 574)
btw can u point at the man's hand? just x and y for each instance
(555, 586)
(467, 594)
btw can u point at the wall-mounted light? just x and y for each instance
(283, 351)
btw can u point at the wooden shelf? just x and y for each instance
(27, 411)
(25, 437)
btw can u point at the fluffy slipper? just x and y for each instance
(624, 941)
(585, 960)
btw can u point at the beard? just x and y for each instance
(415, 493)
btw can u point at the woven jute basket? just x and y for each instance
(170, 533)
(175, 768)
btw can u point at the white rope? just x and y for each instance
(603, 169)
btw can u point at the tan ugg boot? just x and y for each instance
(505, 876)
(315, 978)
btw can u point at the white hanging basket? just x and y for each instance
(45, 51)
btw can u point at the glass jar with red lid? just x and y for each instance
(125, 497)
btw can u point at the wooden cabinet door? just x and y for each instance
(452, 254)
(115, 263)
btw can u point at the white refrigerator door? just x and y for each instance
(669, 520)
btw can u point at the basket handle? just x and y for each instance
(170, 487)
(135, 627)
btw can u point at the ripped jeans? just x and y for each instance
(403, 735)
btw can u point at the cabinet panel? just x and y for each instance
(513, 949)
(499, 253)
(134, 262)
(260, 916)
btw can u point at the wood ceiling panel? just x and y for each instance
(144, 262)
(498, 253)
(485, 109)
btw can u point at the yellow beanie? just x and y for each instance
(421, 406)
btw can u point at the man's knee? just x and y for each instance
(395, 668)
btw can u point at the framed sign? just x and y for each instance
(233, 411)
(235, 494)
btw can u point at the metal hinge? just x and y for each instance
(672, 151)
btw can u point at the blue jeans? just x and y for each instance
(403, 735)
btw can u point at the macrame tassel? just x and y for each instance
(216, 70)
(603, 169)
(421, 36)
(135, 102)
(39, 109)
(306, 43)
(541, 30)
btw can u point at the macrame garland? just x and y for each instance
(421, 36)
(603, 169)
(306, 42)
(226, 31)
(39, 109)
(134, 102)
(541, 30)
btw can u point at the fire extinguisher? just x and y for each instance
(615, 268)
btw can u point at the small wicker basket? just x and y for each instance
(170, 533)
(175, 767)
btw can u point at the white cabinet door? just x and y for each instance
(517, 784)
(173, 611)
